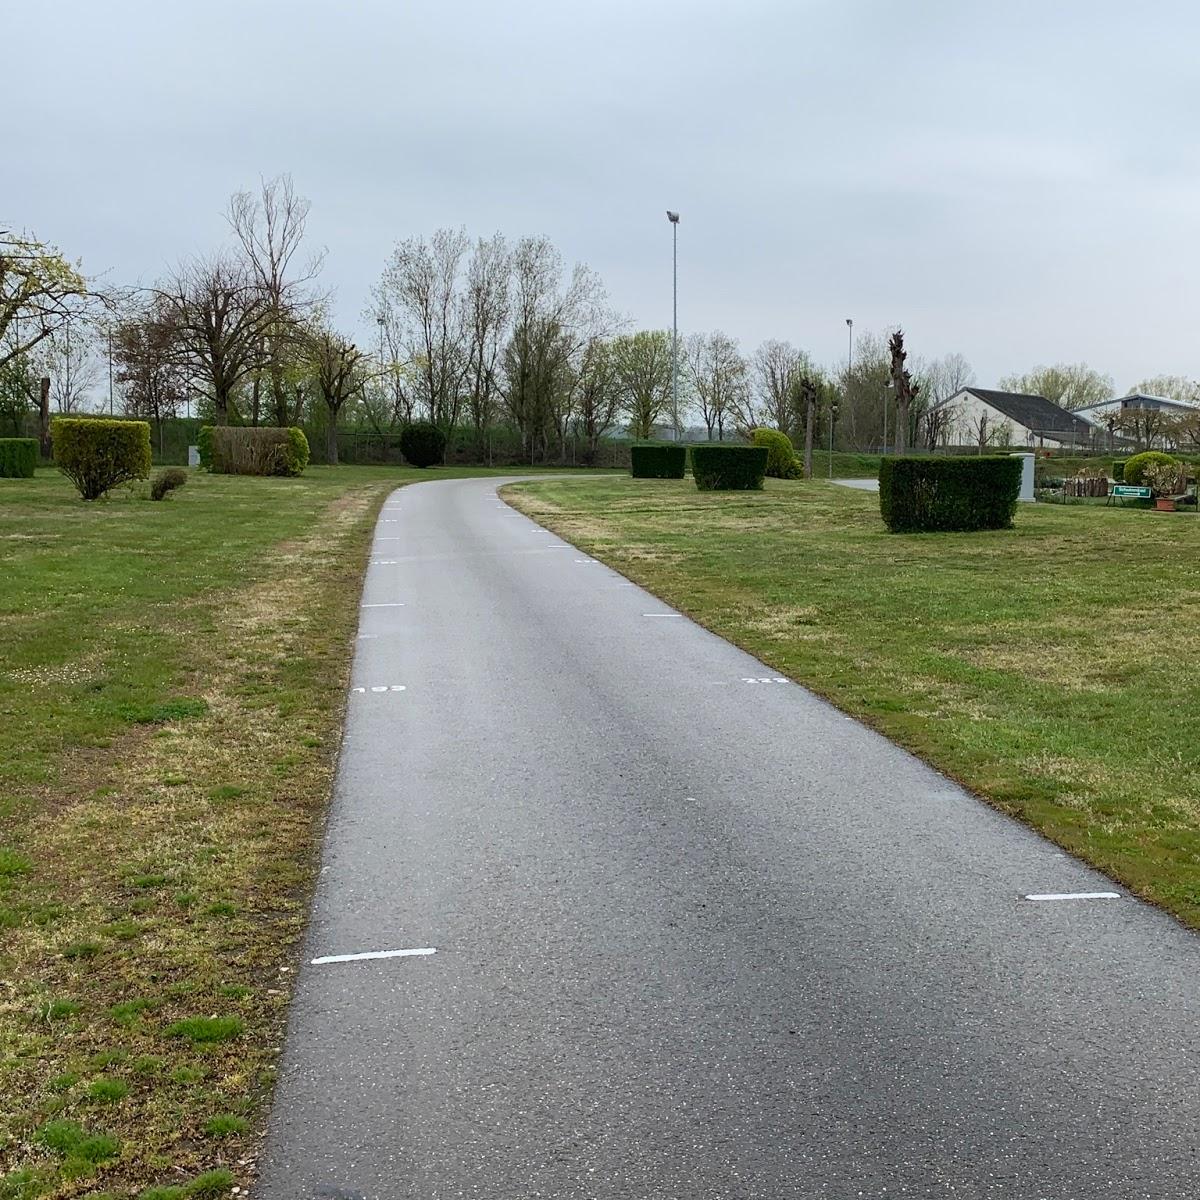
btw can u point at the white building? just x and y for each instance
(983, 417)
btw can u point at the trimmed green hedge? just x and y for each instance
(204, 446)
(262, 450)
(919, 495)
(96, 454)
(657, 460)
(781, 456)
(423, 444)
(729, 468)
(18, 457)
(1135, 467)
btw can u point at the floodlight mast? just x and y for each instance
(673, 217)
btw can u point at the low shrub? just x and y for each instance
(423, 444)
(167, 481)
(265, 450)
(96, 454)
(657, 460)
(18, 457)
(1165, 479)
(781, 456)
(918, 495)
(1118, 469)
(204, 446)
(729, 468)
(1135, 467)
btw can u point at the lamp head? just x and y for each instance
(850, 321)
(673, 217)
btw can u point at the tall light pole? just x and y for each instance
(849, 368)
(110, 373)
(673, 217)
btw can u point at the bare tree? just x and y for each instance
(338, 366)
(67, 357)
(1169, 387)
(269, 227)
(807, 389)
(419, 290)
(486, 304)
(220, 317)
(148, 371)
(719, 376)
(777, 370)
(905, 388)
(599, 396)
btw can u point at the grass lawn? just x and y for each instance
(172, 678)
(1053, 669)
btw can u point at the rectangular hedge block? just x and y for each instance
(930, 495)
(659, 460)
(18, 457)
(729, 468)
(262, 450)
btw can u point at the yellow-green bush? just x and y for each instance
(96, 454)
(781, 456)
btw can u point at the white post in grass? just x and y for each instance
(1026, 476)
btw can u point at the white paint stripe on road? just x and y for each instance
(1073, 896)
(340, 958)
(389, 604)
(662, 614)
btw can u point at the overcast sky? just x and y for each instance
(1018, 182)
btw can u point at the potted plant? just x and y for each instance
(1165, 484)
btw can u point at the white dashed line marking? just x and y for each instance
(388, 687)
(775, 679)
(384, 562)
(1073, 896)
(341, 958)
(389, 604)
(662, 614)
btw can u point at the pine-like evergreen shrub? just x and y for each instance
(717, 467)
(423, 444)
(265, 450)
(96, 454)
(1135, 467)
(1118, 469)
(781, 455)
(167, 481)
(18, 457)
(919, 495)
(657, 460)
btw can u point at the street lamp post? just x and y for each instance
(673, 217)
(849, 368)
(887, 387)
(110, 373)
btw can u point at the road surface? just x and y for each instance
(697, 934)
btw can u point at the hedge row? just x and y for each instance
(262, 450)
(918, 495)
(729, 468)
(18, 457)
(97, 454)
(657, 460)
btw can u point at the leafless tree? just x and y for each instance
(147, 368)
(269, 227)
(338, 366)
(485, 303)
(777, 369)
(220, 317)
(719, 376)
(807, 389)
(420, 292)
(67, 357)
(598, 395)
(1071, 385)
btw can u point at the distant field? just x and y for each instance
(172, 678)
(1052, 669)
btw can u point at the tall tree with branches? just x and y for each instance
(340, 371)
(40, 293)
(718, 377)
(906, 389)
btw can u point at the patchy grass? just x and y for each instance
(1051, 669)
(172, 679)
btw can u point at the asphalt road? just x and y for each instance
(697, 934)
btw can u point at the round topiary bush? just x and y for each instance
(781, 456)
(1135, 467)
(423, 444)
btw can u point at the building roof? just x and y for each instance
(1033, 412)
(1137, 400)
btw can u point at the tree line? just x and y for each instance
(472, 335)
